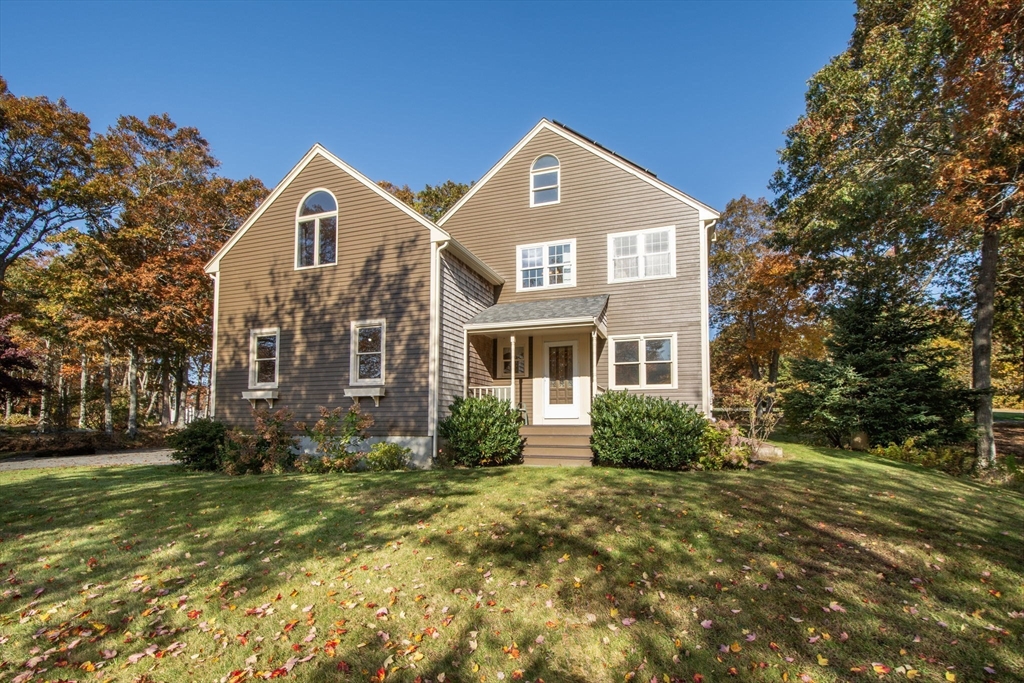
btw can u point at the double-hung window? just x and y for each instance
(643, 361)
(642, 254)
(546, 265)
(367, 355)
(506, 361)
(264, 354)
(545, 180)
(316, 230)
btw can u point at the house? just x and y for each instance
(564, 272)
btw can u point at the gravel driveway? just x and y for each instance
(149, 456)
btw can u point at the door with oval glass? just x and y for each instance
(561, 381)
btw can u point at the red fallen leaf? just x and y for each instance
(697, 678)
(381, 674)
(732, 671)
(344, 667)
(279, 672)
(194, 613)
(290, 625)
(237, 676)
(600, 568)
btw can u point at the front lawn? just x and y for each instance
(827, 566)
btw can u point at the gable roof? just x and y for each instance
(571, 308)
(705, 212)
(436, 233)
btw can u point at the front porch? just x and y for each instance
(542, 358)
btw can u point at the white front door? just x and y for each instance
(561, 381)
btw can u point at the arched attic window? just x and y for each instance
(545, 178)
(316, 230)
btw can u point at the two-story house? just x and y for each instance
(564, 272)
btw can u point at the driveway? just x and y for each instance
(149, 456)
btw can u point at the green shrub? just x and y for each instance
(482, 431)
(322, 464)
(646, 432)
(198, 446)
(387, 457)
(269, 448)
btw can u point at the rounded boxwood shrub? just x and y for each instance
(198, 445)
(482, 431)
(385, 456)
(646, 432)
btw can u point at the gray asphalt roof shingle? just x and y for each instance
(549, 309)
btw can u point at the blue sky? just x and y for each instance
(699, 92)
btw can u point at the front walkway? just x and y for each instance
(149, 456)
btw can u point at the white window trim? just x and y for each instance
(640, 253)
(316, 236)
(264, 332)
(353, 359)
(542, 171)
(643, 361)
(550, 243)
(505, 346)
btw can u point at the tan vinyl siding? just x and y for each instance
(383, 271)
(464, 294)
(596, 199)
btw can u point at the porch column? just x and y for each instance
(512, 382)
(593, 364)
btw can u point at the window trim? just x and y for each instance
(550, 243)
(557, 185)
(614, 339)
(641, 255)
(353, 359)
(316, 223)
(264, 332)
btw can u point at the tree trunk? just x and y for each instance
(44, 396)
(133, 393)
(981, 348)
(83, 390)
(165, 392)
(199, 388)
(108, 399)
(62, 403)
(8, 407)
(153, 396)
(181, 395)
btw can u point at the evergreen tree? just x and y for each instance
(884, 374)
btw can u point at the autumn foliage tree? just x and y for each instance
(433, 201)
(909, 159)
(757, 309)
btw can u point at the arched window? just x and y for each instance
(544, 180)
(316, 230)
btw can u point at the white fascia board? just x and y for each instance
(474, 262)
(532, 324)
(213, 266)
(704, 211)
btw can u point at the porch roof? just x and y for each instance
(548, 313)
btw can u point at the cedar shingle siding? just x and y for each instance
(596, 199)
(464, 294)
(383, 271)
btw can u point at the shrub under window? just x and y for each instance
(646, 432)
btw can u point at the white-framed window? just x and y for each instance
(643, 361)
(367, 356)
(642, 254)
(264, 357)
(505, 367)
(546, 265)
(316, 230)
(545, 180)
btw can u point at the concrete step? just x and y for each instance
(557, 451)
(558, 440)
(574, 430)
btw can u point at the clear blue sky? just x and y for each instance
(699, 92)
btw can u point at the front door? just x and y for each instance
(561, 381)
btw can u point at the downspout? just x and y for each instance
(435, 333)
(705, 332)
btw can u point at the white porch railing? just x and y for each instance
(503, 393)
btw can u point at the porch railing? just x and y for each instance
(503, 393)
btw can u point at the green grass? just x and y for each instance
(514, 571)
(1007, 416)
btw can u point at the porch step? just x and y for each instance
(557, 445)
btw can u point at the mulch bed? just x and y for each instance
(75, 442)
